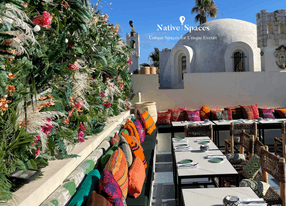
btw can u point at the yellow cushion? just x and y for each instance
(205, 113)
(149, 122)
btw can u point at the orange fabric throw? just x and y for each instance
(135, 148)
(131, 128)
(117, 166)
(205, 113)
(281, 112)
(136, 178)
(149, 122)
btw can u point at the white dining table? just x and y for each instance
(206, 168)
(214, 196)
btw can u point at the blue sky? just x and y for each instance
(148, 14)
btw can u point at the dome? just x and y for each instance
(209, 46)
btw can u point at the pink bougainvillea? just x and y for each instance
(37, 139)
(74, 66)
(38, 151)
(102, 94)
(43, 21)
(47, 128)
(106, 104)
(77, 105)
(80, 137)
(81, 127)
(24, 5)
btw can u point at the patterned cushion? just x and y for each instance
(129, 125)
(235, 158)
(205, 113)
(218, 114)
(123, 144)
(109, 188)
(149, 122)
(247, 112)
(164, 118)
(236, 112)
(105, 158)
(114, 139)
(141, 118)
(252, 167)
(255, 111)
(267, 113)
(135, 148)
(140, 129)
(281, 113)
(97, 200)
(193, 115)
(117, 166)
(177, 114)
(136, 177)
(85, 188)
(260, 188)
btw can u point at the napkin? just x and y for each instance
(252, 202)
(215, 156)
(182, 149)
(200, 140)
(180, 140)
(187, 166)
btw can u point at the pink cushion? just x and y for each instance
(255, 111)
(247, 112)
(140, 130)
(193, 115)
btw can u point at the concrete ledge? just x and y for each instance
(57, 171)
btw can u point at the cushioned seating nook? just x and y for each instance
(100, 166)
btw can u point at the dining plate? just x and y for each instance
(217, 160)
(185, 161)
(205, 142)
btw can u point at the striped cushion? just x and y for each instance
(140, 130)
(141, 119)
(205, 113)
(109, 188)
(123, 144)
(136, 178)
(281, 113)
(114, 139)
(255, 111)
(129, 125)
(177, 114)
(247, 112)
(117, 166)
(105, 158)
(149, 122)
(135, 148)
(164, 117)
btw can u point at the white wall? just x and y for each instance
(215, 90)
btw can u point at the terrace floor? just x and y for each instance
(163, 188)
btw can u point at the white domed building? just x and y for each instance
(224, 45)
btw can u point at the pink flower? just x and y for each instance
(108, 105)
(47, 128)
(77, 105)
(74, 66)
(48, 119)
(129, 90)
(80, 137)
(37, 152)
(103, 103)
(81, 127)
(24, 5)
(94, 83)
(43, 21)
(70, 114)
(102, 94)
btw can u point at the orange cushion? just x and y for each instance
(149, 122)
(136, 177)
(205, 113)
(281, 112)
(117, 166)
(135, 148)
(131, 128)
